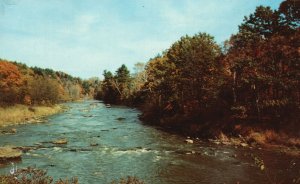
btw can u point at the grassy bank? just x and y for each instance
(19, 114)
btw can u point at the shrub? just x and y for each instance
(32, 175)
(128, 180)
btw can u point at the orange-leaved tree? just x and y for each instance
(10, 82)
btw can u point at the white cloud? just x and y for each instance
(86, 37)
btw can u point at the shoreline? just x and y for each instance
(253, 139)
(22, 114)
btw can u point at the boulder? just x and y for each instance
(60, 141)
(8, 153)
(244, 144)
(190, 141)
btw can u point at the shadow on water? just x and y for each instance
(104, 144)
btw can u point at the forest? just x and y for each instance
(199, 111)
(21, 84)
(196, 85)
(202, 88)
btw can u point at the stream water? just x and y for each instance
(105, 144)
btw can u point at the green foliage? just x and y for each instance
(109, 91)
(122, 74)
(116, 88)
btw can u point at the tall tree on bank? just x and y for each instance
(109, 92)
(10, 82)
(263, 61)
(123, 82)
(185, 80)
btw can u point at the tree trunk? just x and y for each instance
(234, 87)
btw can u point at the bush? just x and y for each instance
(128, 180)
(32, 175)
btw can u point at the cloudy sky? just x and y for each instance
(84, 37)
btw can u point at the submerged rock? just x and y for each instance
(121, 119)
(94, 144)
(25, 149)
(79, 149)
(8, 154)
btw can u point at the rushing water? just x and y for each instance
(105, 144)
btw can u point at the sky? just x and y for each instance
(85, 37)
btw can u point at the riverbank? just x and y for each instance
(267, 139)
(255, 139)
(246, 136)
(21, 114)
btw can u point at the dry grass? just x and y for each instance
(19, 114)
(257, 137)
(272, 137)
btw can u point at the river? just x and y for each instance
(105, 144)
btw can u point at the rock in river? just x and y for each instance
(94, 144)
(60, 141)
(11, 131)
(120, 118)
(190, 141)
(8, 153)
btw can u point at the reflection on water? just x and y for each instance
(108, 143)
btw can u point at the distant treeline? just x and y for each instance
(196, 84)
(20, 84)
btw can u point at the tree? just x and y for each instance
(90, 86)
(290, 15)
(10, 82)
(262, 61)
(122, 82)
(157, 87)
(139, 77)
(185, 80)
(108, 88)
(195, 78)
(44, 91)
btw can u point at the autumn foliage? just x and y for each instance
(252, 80)
(20, 84)
(10, 82)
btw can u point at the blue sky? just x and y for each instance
(84, 37)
